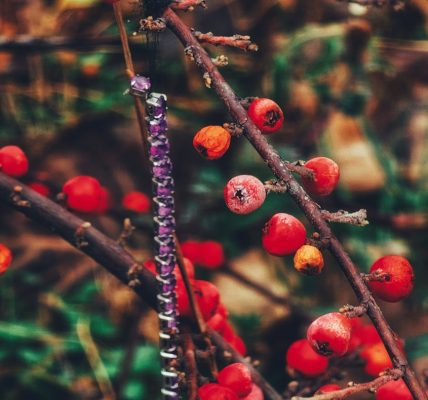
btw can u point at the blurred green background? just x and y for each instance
(353, 85)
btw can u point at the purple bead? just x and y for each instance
(140, 85)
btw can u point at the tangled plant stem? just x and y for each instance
(307, 205)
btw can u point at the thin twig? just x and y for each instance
(191, 368)
(308, 206)
(188, 5)
(239, 41)
(358, 218)
(189, 289)
(356, 388)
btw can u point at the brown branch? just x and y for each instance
(102, 249)
(353, 388)
(191, 368)
(188, 5)
(308, 206)
(139, 109)
(358, 218)
(377, 3)
(239, 41)
(194, 305)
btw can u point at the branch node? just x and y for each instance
(133, 274)
(17, 198)
(152, 25)
(235, 130)
(220, 61)
(354, 311)
(126, 233)
(275, 186)
(207, 80)
(79, 235)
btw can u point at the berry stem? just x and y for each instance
(280, 168)
(376, 276)
(353, 388)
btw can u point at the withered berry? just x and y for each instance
(308, 260)
(302, 358)
(326, 176)
(400, 278)
(236, 377)
(212, 142)
(266, 115)
(13, 161)
(283, 234)
(330, 334)
(244, 193)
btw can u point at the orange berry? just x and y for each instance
(5, 258)
(308, 260)
(377, 359)
(212, 142)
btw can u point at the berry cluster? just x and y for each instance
(234, 382)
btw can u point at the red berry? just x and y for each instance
(228, 333)
(13, 161)
(377, 359)
(211, 254)
(394, 390)
(40, 188)
(217, 323)
(83, 193)
(266, 115)
(255, 394)
(326, 176)
(401, 277)
(239, 345)
(208, 298)
(212, 391)
(367, 335)
(330, 387)
(330, 334)
(244, 193)
(302, 358)
(136, 201)
(236, 377)
(105, 201)
(222, 310)
(5, 258)
(190, 269)
(192, 250)
(212, 142)
(183, 303)
(283, 234)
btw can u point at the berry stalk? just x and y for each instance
(309, 207)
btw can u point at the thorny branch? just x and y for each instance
(108, 253)
(309, 207)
